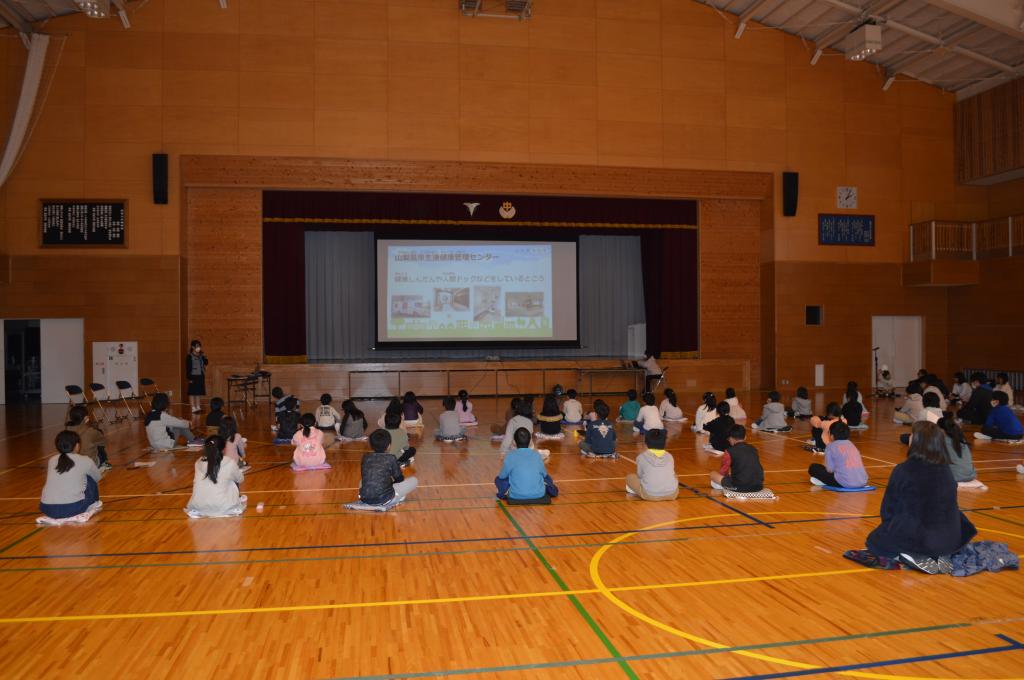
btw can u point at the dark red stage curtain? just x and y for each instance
(284, 292)
(671, 263)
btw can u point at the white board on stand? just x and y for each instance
(113, 361)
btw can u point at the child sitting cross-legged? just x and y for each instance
(655, 476)
(523, 478)
(801, 406)
(773, 415)
(287, 422)
(820, 436)
(1002, 422)
(550, 417)
(215, 415)
(648, 418)
(959, 453)
(843, 466)
(572, 409)
(669, 408)
(628, 411)
(309, 445)
(741, 466)
(450, 430)
(400, 448)
(719, 429)
(382, 480)
(599, 436)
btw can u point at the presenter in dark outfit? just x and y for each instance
(195, 370)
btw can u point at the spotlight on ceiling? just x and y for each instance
(94, 9)
(863, 42)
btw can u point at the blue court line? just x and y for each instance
(656, 655)
(444, 541)
(1012, 647)
(725, 505)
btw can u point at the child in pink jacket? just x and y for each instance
(309, 445)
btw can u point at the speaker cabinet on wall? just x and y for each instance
(790, 192)
(160, 178)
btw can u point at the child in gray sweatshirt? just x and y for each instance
(655, 478)
(773, 415)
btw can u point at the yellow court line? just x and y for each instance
(609, 593)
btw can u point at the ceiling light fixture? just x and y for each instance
(94, 9)
(863, 42)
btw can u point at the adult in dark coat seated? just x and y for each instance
(921, 521)
(977, 408)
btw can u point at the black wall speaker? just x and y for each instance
(790, 193)
(160, 178)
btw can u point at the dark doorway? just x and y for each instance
(22, 356)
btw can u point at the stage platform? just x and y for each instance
(487, 378)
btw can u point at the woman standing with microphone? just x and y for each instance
(195, 371)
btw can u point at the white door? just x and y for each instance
(898, 339)
(62, 345)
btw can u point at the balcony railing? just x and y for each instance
(984, 240)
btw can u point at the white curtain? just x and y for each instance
(340, 301)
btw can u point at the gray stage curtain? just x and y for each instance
(340, 304)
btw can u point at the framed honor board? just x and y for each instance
(83, 222)
(846, 230)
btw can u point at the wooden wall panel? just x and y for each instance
(119, 298)
(986, 326)
(730, 282)
(990, 132)
(850, 295)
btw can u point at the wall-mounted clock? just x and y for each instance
(846, 198)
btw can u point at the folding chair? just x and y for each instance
(96, 388)
(661, 379)
(123, 387)
(146, 384)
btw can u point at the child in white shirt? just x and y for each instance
(705, 412)
(648, 418)
(572, 409)
(735, 410)
(669, 409)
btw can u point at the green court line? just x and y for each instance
(659, 655)
(25, 537)
(624, 665)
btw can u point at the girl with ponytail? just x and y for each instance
(309, 445)
(215, 491)
(72, 480)
(464, 407)
(669, 408)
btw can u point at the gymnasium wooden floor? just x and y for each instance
(453, 584)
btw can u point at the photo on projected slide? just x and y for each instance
(486, 303)
(524, 304)
(409, 307)
(472, 291)
(451, 299)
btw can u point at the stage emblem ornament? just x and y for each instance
(507, 210)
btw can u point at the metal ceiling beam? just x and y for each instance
(1001, 16)
(841, 31)
(24, 28)
(746, 15)
(916, 59)
(928, 38)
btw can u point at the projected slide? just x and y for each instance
(435, 291)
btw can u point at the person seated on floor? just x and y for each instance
(706, 412)
(522, 419)
(773, 415)
(498, 429)
(1003, 385)
(843, 465)
(464, 407)
(820, 436)
(449, 430)
(412, 410)
(669, 409)
(287, 422)
(719, 429)
(1002, 422)
(741, 466)
(648, 417)
(912, 408)
(399, 448)
(655, 477)
(394, 406)
(572, 408)
(234, 443)
(922, 524)
(885, 387)
(281, 399)
(382, 481)
(215, 487)
(328, 419)
(978, 406)
(852, 409)
(930, 413)
(961, 393)
(72, 480)
(309, 444)
(94, 442)
(550, 417)
(801, 406)
(353, 422)
(932, 385)
(735, 409)
(628, 411)
(163, 429)
(959, 453)
(599, 437)
(523, 477)
(215, 415)
(853, 389)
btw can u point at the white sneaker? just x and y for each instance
(1020, 469)
(755, 426)
(716, 485)
(982, 437)
(817, 482)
